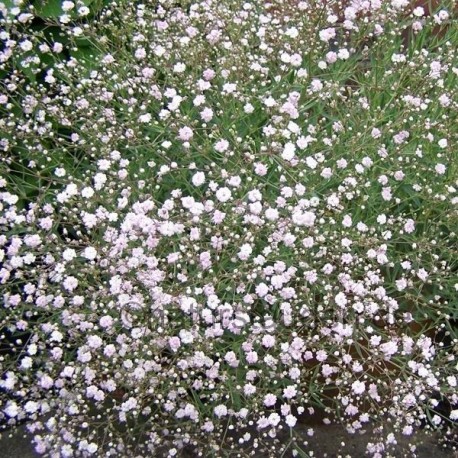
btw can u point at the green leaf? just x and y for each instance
(28, 70)
(53, 8)
(97, 5)
(87, 57)
(49, 8)
(84, 42)
(51, 33)
(8, 4)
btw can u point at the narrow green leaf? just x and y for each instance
(49, 8)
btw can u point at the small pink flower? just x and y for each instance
(327, 34)
(409, 226)
(358, 387)
(270, 400)
(174, 343)
(222, 146)
(220, 411)
(268, 341)
(223, 194)
(291, 421)
(289, 392)
(440, 169)
(185, 134)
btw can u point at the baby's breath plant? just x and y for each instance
(221, 218)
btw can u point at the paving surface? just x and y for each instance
(327, 442)
(16, 445)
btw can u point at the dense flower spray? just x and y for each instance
(230, 217)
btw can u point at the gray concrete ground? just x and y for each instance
(327, 443)
(16, 445)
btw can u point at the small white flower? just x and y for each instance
(343, 54)
(260, 169)
(409, 226)
(223, 194)
(221, 146)
(401, 284)
(12, 409)
(83, 11)
(316, 85)
(440, 169)
(443, 143)
(90, 253)
(67, 6)
(92, 448)
(291, 420)
(262, 289)
(288, 151)
(94, 342)
(207, 114)
(270, 400)
(327, 34)
(70, 283)
(245, 252)
(341, 299)
(389, 348)
(69, 254)
(198, 179)
(304, 218)
(274, 419)
(26, 363)
(270, 102)
(248, 108)
(358, 387)
(145, 118)
(87, 192)
(186, 337)
(26, 45)
(31, 406)
(220, 411)
(185, 134)
(140, 53)
(179, 67)
(289, 392)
